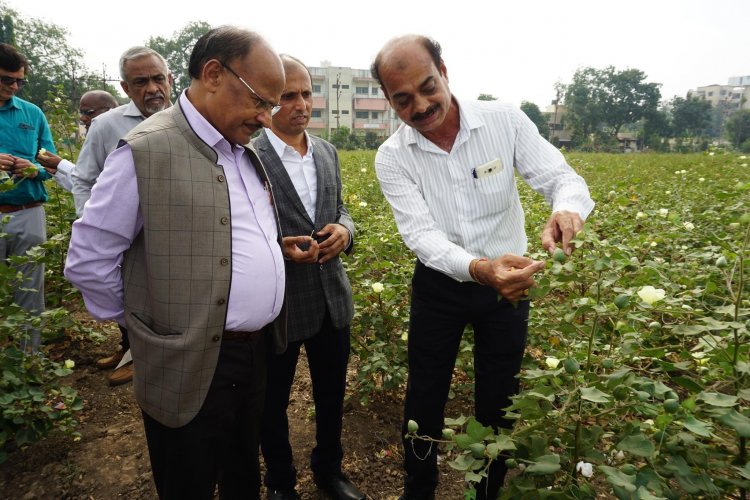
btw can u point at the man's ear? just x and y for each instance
(125, 87)
(443, 70)
(385, 93)
(211, 74)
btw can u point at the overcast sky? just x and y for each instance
(515, 51)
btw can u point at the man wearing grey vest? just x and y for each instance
(185, 207)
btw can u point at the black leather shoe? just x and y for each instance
(282, 495)
(339, 487)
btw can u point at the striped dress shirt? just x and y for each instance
(446, 214)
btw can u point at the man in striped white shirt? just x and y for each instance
(449, 175)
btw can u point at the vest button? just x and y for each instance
(220, 178)
(221, 302)
(224, 220)
(216, 338)
(224, 261)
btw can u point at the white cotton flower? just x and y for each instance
(551, 362)
(585, 468)
(743, 157)
(653, 244)
(663, 212)
(676, 172)
(683, 171)
(640, 215)
(362, 203)
(377, 287)
(701, 179)
(667, 192)
(711, 153)
(363, 170)
(688, 225)
(620, 455)
(69, 364)
(651, 295)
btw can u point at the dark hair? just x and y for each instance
(430, 45)
(225, 43)
(12, 60)
(287, 57)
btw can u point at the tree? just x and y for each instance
(176, 50)
(605, 100)
(7, 30)
(738, 127)
(371, 140)
(656, 127)
(340, 137)
(691, 117)
(52, 61)
(486, 97)
(536, 116)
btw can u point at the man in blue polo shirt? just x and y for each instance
(23, 132)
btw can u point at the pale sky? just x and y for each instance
(515, 51)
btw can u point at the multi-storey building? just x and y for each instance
(347, 97)
(731, 97)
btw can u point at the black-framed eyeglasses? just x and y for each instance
(260, 103)
(9, 80)
(89, 112)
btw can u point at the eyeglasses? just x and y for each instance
(9, 80)
(89, 112)
(261, 104)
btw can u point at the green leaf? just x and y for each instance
(462, 462)
(688, 383)
(476, 430)
(504, 442)
(637, 444)
(697, 427)
(644, 494)
(736, 421)
(718, 399)
(547, 464)
(594, 395)
(618, 478)
(744, 471)
(464, 440)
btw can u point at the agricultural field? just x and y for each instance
(634, 385)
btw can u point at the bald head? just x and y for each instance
(94, 103)
(396, 51)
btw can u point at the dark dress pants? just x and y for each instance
(440, 310)
(220, 445)
(327, 357)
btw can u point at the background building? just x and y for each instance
(347, 97)
(733, 96)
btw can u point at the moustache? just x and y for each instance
(155, 95)
(429, 112)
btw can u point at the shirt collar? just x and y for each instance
(132, 110)
(11, 103)
(469, 119)
(280, 146)
(200, 125)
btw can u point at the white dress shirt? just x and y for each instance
(301, 170)
(63, 173)
(445, 214)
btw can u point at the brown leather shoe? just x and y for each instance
(110, 361)
(122, 375)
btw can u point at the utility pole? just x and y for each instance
(338, 94)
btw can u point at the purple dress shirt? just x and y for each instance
(112, 220)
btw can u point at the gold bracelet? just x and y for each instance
(473, 271)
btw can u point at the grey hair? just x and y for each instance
(136, 53)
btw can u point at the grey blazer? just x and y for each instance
(311, 288)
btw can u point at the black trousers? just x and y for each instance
(440, 310)
(220, 445)
(327, 357)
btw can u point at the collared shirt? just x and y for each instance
(63, 173)
(301, 170)
(23, 132)
(445, 214)
(102, 235)
(105, 132)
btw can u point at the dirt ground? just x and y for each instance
(111, 459)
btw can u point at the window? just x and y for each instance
(316, 89)
(345, 86)
(344, 111)
(362, 114)
(362, 90)
(335, 86)
(334, 111)
(710, 94)
(374, 91)
(375, 115)
(316, 114)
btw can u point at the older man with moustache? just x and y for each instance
(186, 208)
(148, 82)
(449, 174)
(92, 104)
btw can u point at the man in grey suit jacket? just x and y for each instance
(305, 173)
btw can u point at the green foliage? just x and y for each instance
(176, 50)
(371, 140)
(605, 100)
(486, 97)
(344, 139)
(691, 117)
(7, 30)
(738, 127)
(652, 391)
(536, 116)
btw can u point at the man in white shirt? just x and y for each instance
(92, 104)
(449, 175)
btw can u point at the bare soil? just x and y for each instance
(111, 459)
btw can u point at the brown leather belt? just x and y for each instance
(6, 209)
(242, 336)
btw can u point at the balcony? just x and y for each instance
(368, 104)
(362, 124)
